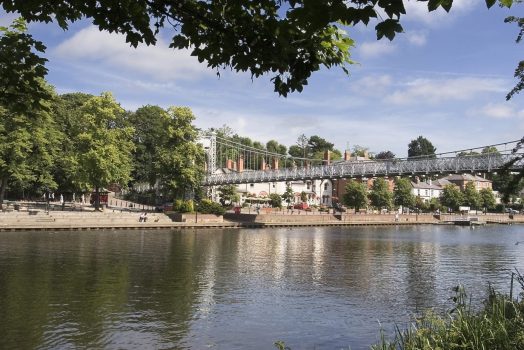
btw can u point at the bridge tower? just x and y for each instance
(209, 142)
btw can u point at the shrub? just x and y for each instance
(188, 206)
(177, 206)
(209, 207)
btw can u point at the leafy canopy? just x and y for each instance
(421, 147)
(356, 195)
(289, 39)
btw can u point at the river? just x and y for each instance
(314, 287)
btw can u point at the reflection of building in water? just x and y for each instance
(319, 255)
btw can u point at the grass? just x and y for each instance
(498, 325)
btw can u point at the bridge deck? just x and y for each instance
(393, 167)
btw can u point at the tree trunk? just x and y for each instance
(97, 198)
(3, 185)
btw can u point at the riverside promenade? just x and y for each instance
(115, 218)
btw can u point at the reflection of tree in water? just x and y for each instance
(90, 289)
(421, 260)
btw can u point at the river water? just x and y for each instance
(314, 288)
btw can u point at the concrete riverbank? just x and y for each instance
(115, 219)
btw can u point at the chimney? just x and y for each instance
(430, 181)
(347, 155)
(275, 163)
(240, 166)
(229, 164)
(327, 157)
(263, 165)
(417, 180)
(366, 154)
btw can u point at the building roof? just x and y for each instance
(465, 177)
(426, 186)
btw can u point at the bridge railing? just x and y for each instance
(370, 168)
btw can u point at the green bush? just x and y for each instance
(177, 205)
(209, 207)
(182, 206)
(188, 206)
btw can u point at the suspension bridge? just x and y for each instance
(230, 162)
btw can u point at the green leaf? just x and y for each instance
(490, 3)
(435, 4)
(506, 3)
(388, 28)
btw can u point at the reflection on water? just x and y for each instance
(319, 288)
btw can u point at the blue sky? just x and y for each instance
(445, 78)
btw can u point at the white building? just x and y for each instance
(426, 190)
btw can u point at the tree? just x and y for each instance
(519, 71)
(385, 155)
(356, 195)
(289, 38)
(275, 200)
(317, 144)
(27, 132)
(360, 151)
(288, 196)
(303, 196)
(402, 193)
(421, 148)
(508, 184)
(28, 148)
(379, 196)
(68, 117)
(302, 144)
(487, 198)
(180, 159)
(151, 134)
(22, 71)
(471, 197)
(451, 197)
(490, 150)
(466, 154)
(104, 144)
(275, 147)
(227, 193)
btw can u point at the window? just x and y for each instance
(326, 186)
(251, 185)
(308, 185)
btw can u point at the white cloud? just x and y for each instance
(416, 38)
(435, 91)
(372, 84)
(158, 62)
(417, 11)
(499, 111)
(376, 48)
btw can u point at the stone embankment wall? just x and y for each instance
(38, 219)
(192, 218)
(308, 217)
